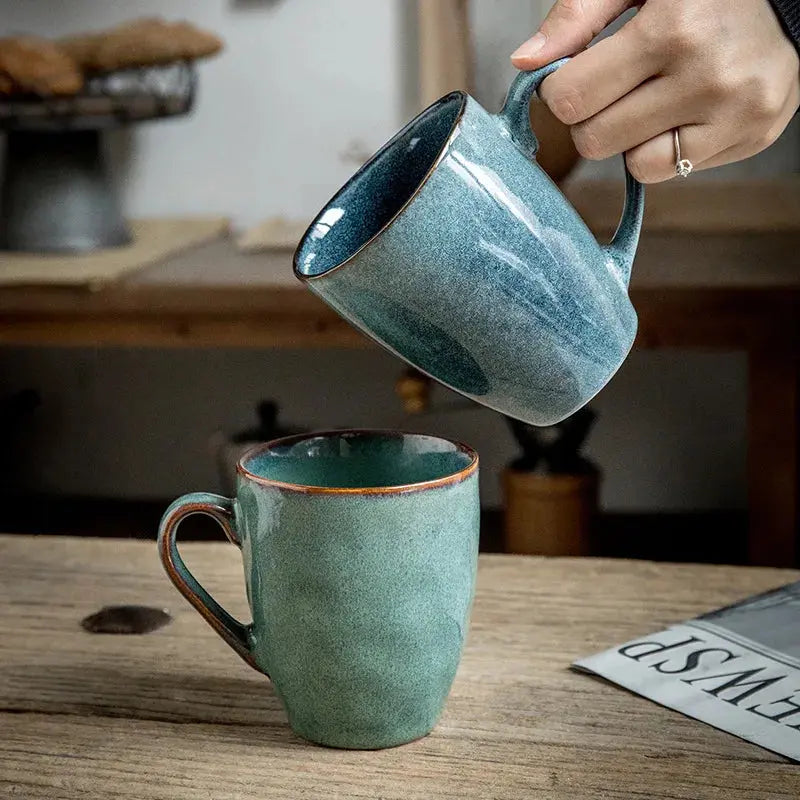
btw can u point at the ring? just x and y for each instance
(682, 165)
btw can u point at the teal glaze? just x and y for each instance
(360, 551)
(455, 251)
(358, 462)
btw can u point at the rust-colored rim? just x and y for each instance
(440, 155)
(446, 480)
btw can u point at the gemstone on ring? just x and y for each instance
(682, 165)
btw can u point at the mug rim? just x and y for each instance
(363, 168)
(445, 480)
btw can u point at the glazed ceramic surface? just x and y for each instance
(454, 250)
(360, 550)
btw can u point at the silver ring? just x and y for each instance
(682, 165)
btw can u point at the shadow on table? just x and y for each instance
(248, 705)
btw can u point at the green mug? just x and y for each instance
(360, 551)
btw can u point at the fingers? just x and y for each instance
(598, 77)
(651, 109)
(728, 156)
(746, 149)
(706, 144)
(724, 73)
(568, 28)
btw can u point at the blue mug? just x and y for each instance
(454, 250)
(360, 551)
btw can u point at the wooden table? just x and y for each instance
(175, 714)
(700, 281)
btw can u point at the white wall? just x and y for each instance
(300, 84)
(302, 93)
(303, 81)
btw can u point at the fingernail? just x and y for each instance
(531, 47)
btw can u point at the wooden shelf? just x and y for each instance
(718, 290)
(723, 290)
(702, 206)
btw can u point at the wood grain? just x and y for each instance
(175, 714)
(703, 207)
(444, 48)
(717, 291)
(706, 206)
(273, 233)
(773, 455)
(153, 241)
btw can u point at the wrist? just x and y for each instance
(788, 12)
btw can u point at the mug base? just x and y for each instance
(349, 742)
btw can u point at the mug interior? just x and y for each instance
(358, 460)
(378, 191)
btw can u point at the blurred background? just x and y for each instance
(112, 404)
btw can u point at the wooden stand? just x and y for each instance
(444, 48)
(549, 514)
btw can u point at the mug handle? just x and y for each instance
(235, 633)
(514, 119)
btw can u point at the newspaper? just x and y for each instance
(737, 668)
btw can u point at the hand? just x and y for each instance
(722, 72)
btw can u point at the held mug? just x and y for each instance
(453, 249)
(360, 551)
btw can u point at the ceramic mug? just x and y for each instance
(360, 550)
(454, 250)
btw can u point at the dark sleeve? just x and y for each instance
(788, 12)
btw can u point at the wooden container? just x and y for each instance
(549, 514)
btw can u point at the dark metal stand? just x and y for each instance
(56, 193)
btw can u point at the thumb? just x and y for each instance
(569, 27)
